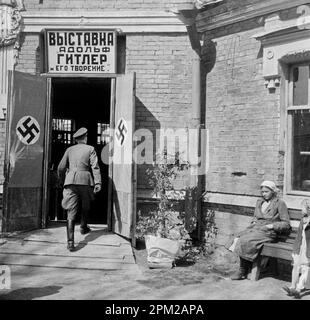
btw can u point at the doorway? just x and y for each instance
(76, 103)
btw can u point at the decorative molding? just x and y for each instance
(200, 4)
(10, 29)
(272, 83)
(285, 42)
(207, 23)
(125, 21)
(296, 56)
(10, 14)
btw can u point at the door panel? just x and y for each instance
(124, 168)
(25, 151)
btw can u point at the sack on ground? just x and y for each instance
(161, 252)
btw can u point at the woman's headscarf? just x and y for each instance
(271, 185)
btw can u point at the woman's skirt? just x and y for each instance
(251, 241)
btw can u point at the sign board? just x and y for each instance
(80, 51)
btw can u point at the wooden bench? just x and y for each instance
(282, 249)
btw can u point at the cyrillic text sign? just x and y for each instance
(81, 51)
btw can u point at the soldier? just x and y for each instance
(75, 170)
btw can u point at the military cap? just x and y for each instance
(81, 132)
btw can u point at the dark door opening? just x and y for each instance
(79, 102)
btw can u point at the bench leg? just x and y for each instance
(255, 270)
(259, 264)
(264, 262)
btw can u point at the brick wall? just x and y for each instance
(241, 114)
(164, 74)
(29, 58)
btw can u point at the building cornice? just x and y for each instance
(206, 23)
(124, 21)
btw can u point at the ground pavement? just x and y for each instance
(105, 267)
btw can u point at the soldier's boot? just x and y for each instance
(70, 234)
(84, 228)
(243, 270)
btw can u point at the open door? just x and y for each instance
(124, 168)
(23, 186)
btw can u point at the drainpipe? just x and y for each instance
(187, 13)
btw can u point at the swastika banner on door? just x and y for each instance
(28, 130)
(27, 123)
(121, 132)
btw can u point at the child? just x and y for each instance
(301, 255)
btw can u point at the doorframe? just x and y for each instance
(6, 169)
(47, 154)
(47, 147)
(110, 173)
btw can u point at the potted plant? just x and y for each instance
(163, 229)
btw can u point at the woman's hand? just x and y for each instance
(267, 227)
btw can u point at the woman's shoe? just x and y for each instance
(288, 291)
(239, 275)
(292, 292)
(296, 293)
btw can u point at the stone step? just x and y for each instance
(55, 246)
(68, 262)
(98, 236)
(47, 248)
(60, 250)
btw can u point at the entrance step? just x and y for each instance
(46, 248)
(110, 265)
(60, 250)
(98, 236)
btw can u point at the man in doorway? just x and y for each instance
(80, 172)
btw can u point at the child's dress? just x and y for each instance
(301, 259)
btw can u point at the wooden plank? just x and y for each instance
(277, 252)
(280, 245)
(61, 250)
(98, 236)
(67, 262)
(289, 240)
(294, 214)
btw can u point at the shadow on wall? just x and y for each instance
(208, 56)
(145, 119)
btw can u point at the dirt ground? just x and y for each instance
(208, 279)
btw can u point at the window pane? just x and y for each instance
(301, 151)
(300, 85)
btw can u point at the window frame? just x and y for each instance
(290, 108)
(70, 132)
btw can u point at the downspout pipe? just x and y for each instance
(187, 13)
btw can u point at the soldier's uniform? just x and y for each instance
(80, 172)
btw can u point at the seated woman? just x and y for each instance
(270, 219)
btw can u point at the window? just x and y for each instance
(103, 133)
(63, 131)
(299, 127)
